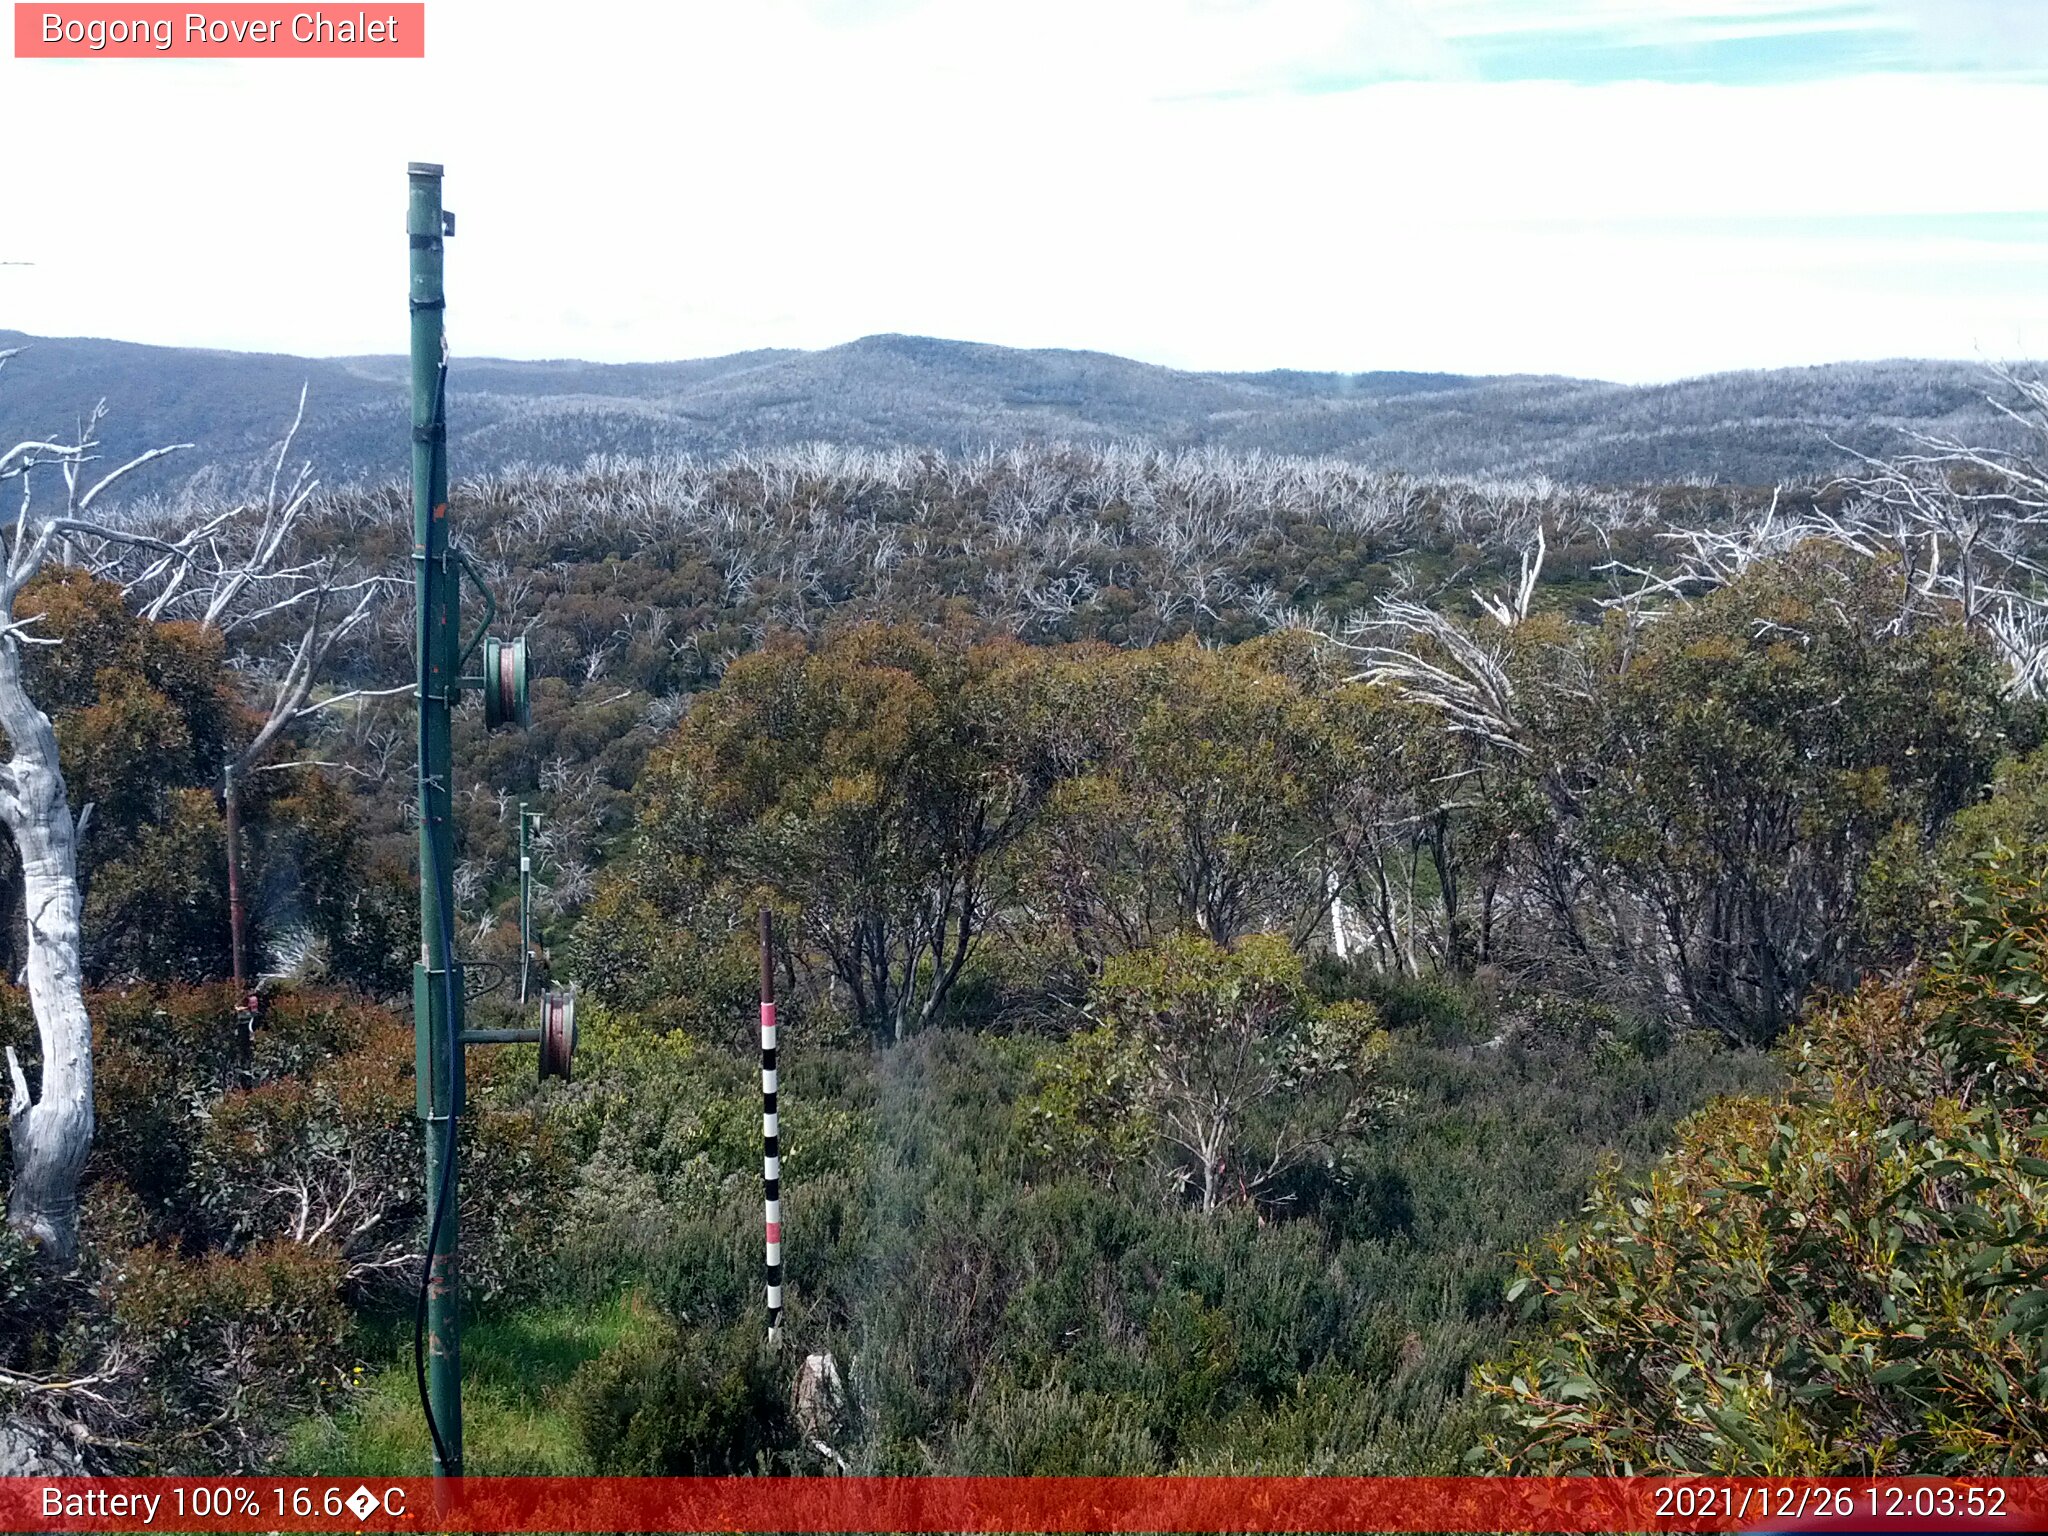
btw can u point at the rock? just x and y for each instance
(27, 1451)
(820, 1398)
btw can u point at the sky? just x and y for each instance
(1633, 191)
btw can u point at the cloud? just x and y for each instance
(1152, 177)
(1991, 37)
(1733, 42)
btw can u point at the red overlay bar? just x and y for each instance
(229, 31)
(1004, 1504)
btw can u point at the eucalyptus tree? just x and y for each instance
(246, 571)
(50, 1130)
(1234, 1065)
(1681, 802)
(1190, 800)
(233, 569)
(870, 788)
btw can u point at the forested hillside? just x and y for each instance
(1253, 931)
(894, 392)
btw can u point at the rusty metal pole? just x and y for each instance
(238, 919)
(231, 798)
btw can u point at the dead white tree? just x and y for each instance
(1966, 529)
(1966, 526)
(1477, 678)
(1510, 611)
(242, 571)
(50, 1130)
(250, 578)
(1431, 657)
(235, 570)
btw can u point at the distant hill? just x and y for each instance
(1745, 428)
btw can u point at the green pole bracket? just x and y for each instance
(503, 676)
(436, 1096)
(476, 579)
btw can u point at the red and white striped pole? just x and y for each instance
(771, 1144)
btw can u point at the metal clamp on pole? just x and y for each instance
(501, 1037)
(556, 1034)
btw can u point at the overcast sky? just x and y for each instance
(1618, 188)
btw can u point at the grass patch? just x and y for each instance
(515, 1367)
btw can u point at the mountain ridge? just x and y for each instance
(897, 390)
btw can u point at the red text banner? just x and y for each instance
(998, 1504)
(228, 31)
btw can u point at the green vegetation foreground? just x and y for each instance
(1182, 1039)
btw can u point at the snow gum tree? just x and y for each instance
(51, 1130)
(224, 566)
(1245, 1075)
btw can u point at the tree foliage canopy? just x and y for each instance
(1225, 1056)
(1853, 1279)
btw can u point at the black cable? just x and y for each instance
(447, 947)
(419, 1322)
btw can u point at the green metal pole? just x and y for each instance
(437, 998)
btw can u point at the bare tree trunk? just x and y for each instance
(1211, 1144)
(51, 1133)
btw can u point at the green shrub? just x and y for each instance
(1335, 1423)
(45, 1317)
(1438, 1008)
(1088, 1105)
(667, 973)
(991, 1299)
(662, 1126)
(236, 1236)
(684, 1403)
(1054, 1431)
(228, 1348)
(1907, 904)
(1221, 1055)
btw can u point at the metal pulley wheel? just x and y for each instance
(557, 1031)
(505, 682)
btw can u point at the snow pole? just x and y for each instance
(771, 1142)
